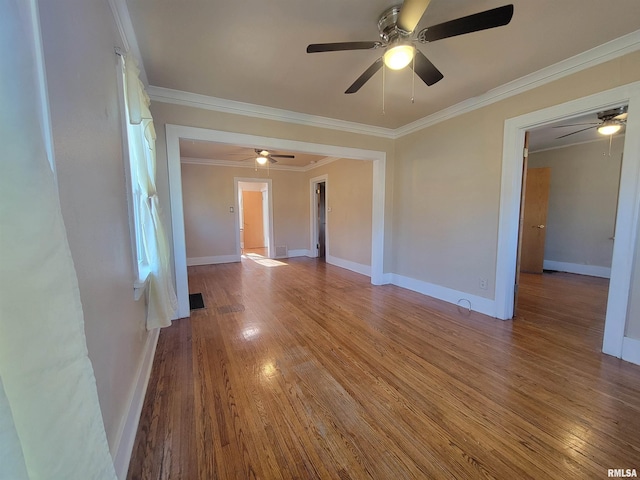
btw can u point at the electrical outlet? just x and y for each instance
(483, 283)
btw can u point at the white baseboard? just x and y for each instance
(482, 305)
(193, 261)
(349, 265)
(591, 270)
(631, 350)
(298, 253)
(123, 446)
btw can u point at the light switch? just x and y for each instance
(230, 209)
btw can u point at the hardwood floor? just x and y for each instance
(299, 369)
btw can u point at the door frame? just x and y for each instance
(267, 213)
(313, 183)
(176, 132)
(628, 199)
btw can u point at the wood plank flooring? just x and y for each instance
(298, 369)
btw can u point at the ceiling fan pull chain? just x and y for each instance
(610, 140)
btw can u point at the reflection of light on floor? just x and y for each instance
(250, 333)
(266, 262)
(268, 370)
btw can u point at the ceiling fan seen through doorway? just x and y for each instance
(396, 26)
(609, 122)
(264, 156)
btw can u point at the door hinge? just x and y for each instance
(525, 152)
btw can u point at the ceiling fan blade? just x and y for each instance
(426, 70)
(271, 159)
(577, 131)
(495, 17)
(283, 156)
(362, 79)
(410, 14)
(341, 46)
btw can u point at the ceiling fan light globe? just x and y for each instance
(399, 56)
(609, 128)
(261, 160)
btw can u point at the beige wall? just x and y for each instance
(208, 192)
(582, 201)
(349, 194)
(79, 38)
(164, 113)
(448, 176)
(443, 182)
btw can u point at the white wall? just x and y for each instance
(79, 37)
(582, 202)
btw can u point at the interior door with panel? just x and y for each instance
(534, 224)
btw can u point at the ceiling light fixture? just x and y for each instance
(609, 127)
(399, 56)
(261, 160)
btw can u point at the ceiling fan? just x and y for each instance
(265, 155)
(396, 26)
(610, 122)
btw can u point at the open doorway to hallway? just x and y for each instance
(254, 218)
(319, 209)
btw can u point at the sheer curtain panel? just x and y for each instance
(51, 426)
(152, 245)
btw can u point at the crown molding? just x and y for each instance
(188, 99)
(616, 48)
(608, 51)
(127, 34)
(243, 164)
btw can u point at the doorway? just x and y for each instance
(319, 225)
(254, 230)
(322, 219)
(626, 220)
(174, 133)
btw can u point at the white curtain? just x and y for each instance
(51, 426)
(162, 297)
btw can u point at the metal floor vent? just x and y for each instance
(196, 302)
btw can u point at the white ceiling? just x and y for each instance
(254, 51)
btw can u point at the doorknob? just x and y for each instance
(537, 226)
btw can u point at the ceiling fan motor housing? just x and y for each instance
(387, 25)
(612, 114)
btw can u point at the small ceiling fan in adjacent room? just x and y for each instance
(396, 26)
(264, 156)
(609, 122)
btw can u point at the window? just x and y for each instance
(149, 242)
(133, 137)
